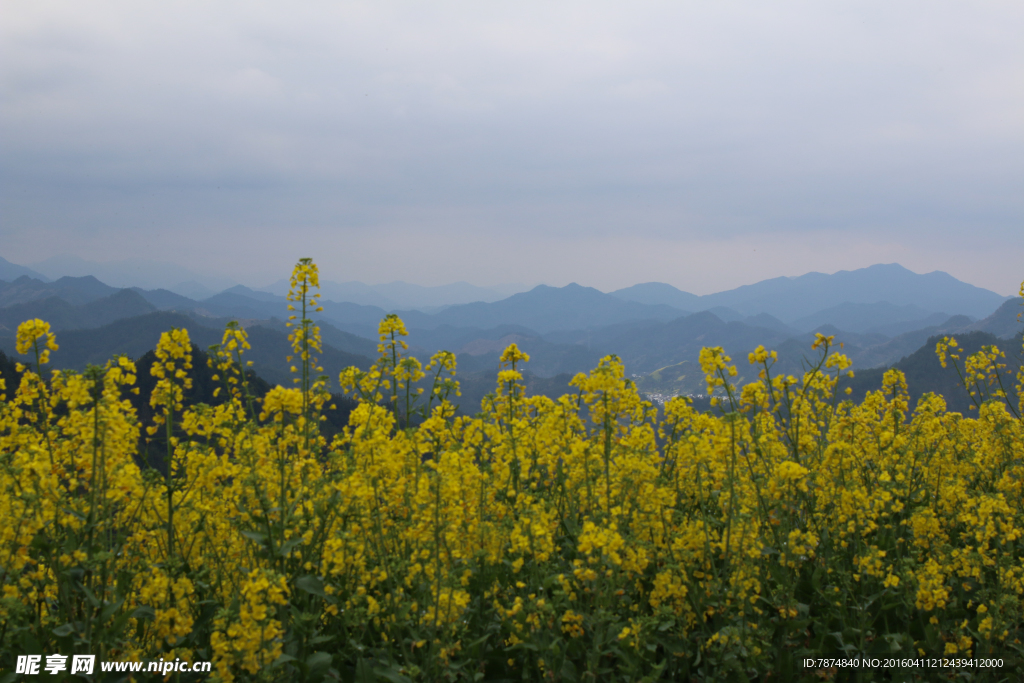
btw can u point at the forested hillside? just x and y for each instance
(565, 330)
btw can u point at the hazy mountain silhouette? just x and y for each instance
(479, 350)
(132, 337)
(468, 340)
(768, 322)
(791, 298)
(890, 288)
(61, 315)
(74, 290)
(9, 272)
(135, 336)
(727, 314)
(331, 335)
(891, 350)
(416, 296)
(166, 300)
(565, 329)
(1004, 322)
(242, 290)
(542, 309)
(924, 373)
(654, 293)
(854, 317)
(147, 273)
(546, 308)
(682, 339)
(399, 295)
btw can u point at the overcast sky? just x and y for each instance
(703, 144)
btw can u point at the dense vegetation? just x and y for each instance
(591, 537)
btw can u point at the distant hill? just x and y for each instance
(270, 348)
(233, 303)
(546, 308)
(541, 309)
(790, 298)
(9, 272)
(192, 290)
(769, 322)
(399, 295)
(895, 329)
(166, 300)
(135, 336)
(9, 374)
(471, 340)
(331, 335)
(1004, 323)
(654, 293)
(475, 386)
(73, 290)
(415, 296)
(351, 292)
(925, 374)
(682, 339)
(136, 272)
(873, 317)
(242, 290)
(355, 318)
(546, 359)
(795, 300)
(565, 329)
(660, 355)
(648, 346)
(727, 314)
(132, 337)
(884, 299)
(61, 315)
(890, 351)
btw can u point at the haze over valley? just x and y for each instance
(882, 314)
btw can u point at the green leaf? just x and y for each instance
(257, 536)
(392, 675)
(290, 545)
(318, 664)
(64, 630)
(364, 671)
(283, 659)
(312, 585)
(93, 600)
(144, 612)
(110, 609)
(568, 672)
(119, 623)
(478, 642)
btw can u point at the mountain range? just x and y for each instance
(403, 295)
(134, 336)
(12, 271)
(148, 273)
(785, 298)
(791, 298)
(564, 329)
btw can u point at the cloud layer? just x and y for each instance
(703, 144)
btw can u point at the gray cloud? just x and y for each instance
(706, 145)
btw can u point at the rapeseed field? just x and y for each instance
(590, 538)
